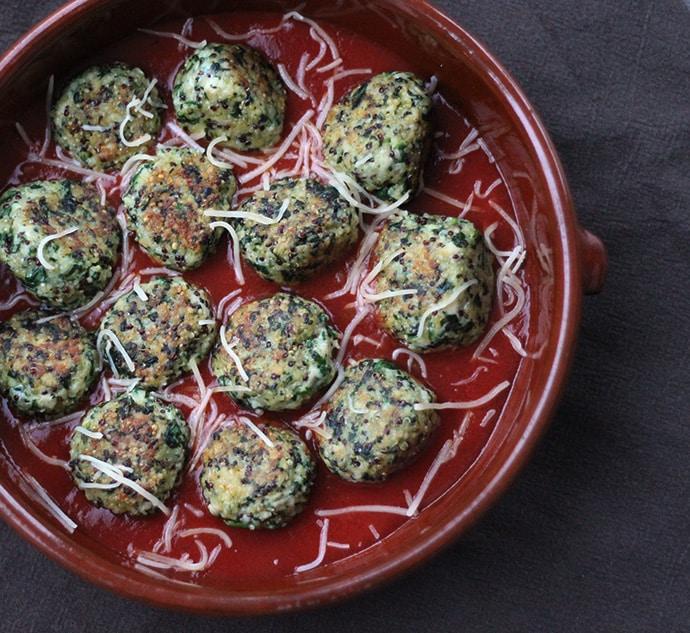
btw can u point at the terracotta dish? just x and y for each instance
(574, 264)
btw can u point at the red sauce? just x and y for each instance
(258, 555)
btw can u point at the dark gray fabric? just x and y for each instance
(594, 536)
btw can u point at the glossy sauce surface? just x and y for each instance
(257, 555)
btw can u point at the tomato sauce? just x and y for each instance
(258, 555)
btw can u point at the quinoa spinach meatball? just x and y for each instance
(446, 262)
(142, 439)
(165, 203)
(88, 116)
(232, 91)
(46, 367)
(161, 334)
(285, 346)
(250, 484)
(62, 223)
(313, 227)
(379, 133)
(372, 429)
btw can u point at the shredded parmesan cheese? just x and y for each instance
(160, 270)
(139, 291)
(178, 132)
(472, 378)
(248, 215)
(361, 314)
(223, 536)
(472, 404)
(96, 435)
(22, 133)
(29, 444)
(443, 304)
(223, 310)
(318, 29)
(478, 192)
(412, 358)
(176, 36)
(233, 249)
(35, 490)
(323, 544)
(16, 298)
(447, 452)
(381, 509)
(118, 346)
(116, 473)
(490, 414)
(444, 198)
(184, 563)
(228, 347)
(278, 154)
(230, 37)
(467, 146)
(136, 103)
(233, 157)
(195, 511)
(49, 107)
(358, 339)
(259, 433)
(290, 83)
(46, 240)
(83, 171)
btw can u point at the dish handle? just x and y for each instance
(593, 262)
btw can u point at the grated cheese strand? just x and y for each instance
(116, 474)
(234, 248)
(248, 215)
(447, 452)
(118, 346)
(362, 313)
(22, 133)
(278, 154)
(29, 444)
(412, 358)
(478, 191)
(321, 554)
(223, 304)
(444, 198)
(46, 240)
(232, 37)
(212, 159)
(139, 291)
(96, 435)
(49, 106)
(160, 561)
(176, 36)
(381, 509)
(472, 404)
(235, 358)
(490, 414)
(18, 296)
(294, 15)
(290, 83)
(443, 304)
(472, 378)
(41, 495)
(505, 320)
(49, 162)
(260, 434)
(223, 536)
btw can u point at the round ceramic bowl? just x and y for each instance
(570, 262)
